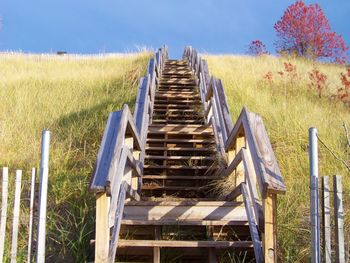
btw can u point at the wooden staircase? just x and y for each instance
(156, 171)
(178, 219)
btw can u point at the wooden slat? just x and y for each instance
(4, 194)
(204, 158)
(182, 177)
(326, 220)
(185, 211)
(183, 244)
(184, 222)
(173, 167)
(31, 214)
(338, 219)
(224, 106)
(16, 212)
(254, 234)
(117, 223)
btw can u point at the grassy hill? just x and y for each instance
(72, 96)
(289, 107)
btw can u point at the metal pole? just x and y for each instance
(314, 217)
(44, 172)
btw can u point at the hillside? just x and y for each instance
(289, 107)
(72, 97)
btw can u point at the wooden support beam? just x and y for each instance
(270, 230)
(102, 228)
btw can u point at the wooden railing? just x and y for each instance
(119, 166)
(248, 155)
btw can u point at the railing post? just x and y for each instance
(270, 228)
(314, 216)
(102, 228)
(44, 173)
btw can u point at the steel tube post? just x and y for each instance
(44, 172)
(314, 216)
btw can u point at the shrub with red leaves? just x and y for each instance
(343, 93)
(304, 30)
(257, 48)
(269, 77)
(318, 81)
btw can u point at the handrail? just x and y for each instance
(244, 146)
(119, 165)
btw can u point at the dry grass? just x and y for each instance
(289, 108)
(72, 97)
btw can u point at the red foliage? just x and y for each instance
(257, 48)
(318, 80)
(269, 77)
(304, 30)
(344, 92)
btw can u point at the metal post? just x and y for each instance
(314, 217)
(44, 172)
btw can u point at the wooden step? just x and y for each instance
(175, 167)
(174, 121)
(170, 140)
(172, 188)
(159, 157)
(189, 149)
(180, 129)
(189, 210)
(182, 177)
(185, 244)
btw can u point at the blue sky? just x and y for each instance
(86, 26)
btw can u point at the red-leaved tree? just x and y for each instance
(304, 30)
(257, 48)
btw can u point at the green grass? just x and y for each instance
(289, 108)
(72, 97)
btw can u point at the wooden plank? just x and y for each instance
(102, 228)
(326, 220)
(261, 146)
(16, 212)
(31, 213)
(178, 243)
(224, 106)
(117, 223)
(220, 116)
(338, 219)
(203, 158)
(254, 234)
(4, 198)
(182, 177)
(184, 222)
(270, 228)
(104, 156)
(180, 167)
(250, 177)
(182, 211)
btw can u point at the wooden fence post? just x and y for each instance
(270, 228)
(102, 228)
(16, 210)
(326, 220)
(31, 213)
(3, 211)
(338, 219)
